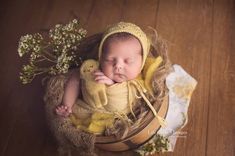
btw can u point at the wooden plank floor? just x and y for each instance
(201, 37)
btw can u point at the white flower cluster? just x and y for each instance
(30, 43)
(158, 144)
(65, 37)
(54, 53)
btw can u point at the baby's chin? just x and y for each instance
(119, 78)
(119, 81)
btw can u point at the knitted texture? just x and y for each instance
(68, 137)
(131, 29)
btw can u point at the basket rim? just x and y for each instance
(147, 120)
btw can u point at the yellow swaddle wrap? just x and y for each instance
(102, 100)
(116, 99)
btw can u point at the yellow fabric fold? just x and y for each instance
(141, 90)
(117, 99)
(96, 123)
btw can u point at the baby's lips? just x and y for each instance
(120, 74)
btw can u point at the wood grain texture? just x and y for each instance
(103, 14)
(186, 25)
(221, 119)
(15, 118)
(146, 12)
(201, 38)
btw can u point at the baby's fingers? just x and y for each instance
(98, 73)
(63, 111)
(103, 79)
(100, 77)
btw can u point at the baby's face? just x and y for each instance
(122, 60)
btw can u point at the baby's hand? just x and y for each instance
(101, 78)
(63, 110)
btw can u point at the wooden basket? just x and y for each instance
(136, 137)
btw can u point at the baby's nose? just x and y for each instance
(118, 66)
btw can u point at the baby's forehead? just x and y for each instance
(123, 42)
(123, 49)
(119, 37)
(129, 54)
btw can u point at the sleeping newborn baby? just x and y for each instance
(111, 85)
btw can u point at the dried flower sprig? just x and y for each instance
(53, 53)
(157, 144)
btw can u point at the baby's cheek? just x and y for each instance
(133, 73)
(107, 71)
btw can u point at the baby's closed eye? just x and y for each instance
(109, 60)
(129, 61)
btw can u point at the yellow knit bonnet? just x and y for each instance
(131, 29)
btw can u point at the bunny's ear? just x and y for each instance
(151, 65)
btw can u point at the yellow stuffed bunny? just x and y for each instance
(93, 93)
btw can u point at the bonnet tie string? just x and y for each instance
(141, 90)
